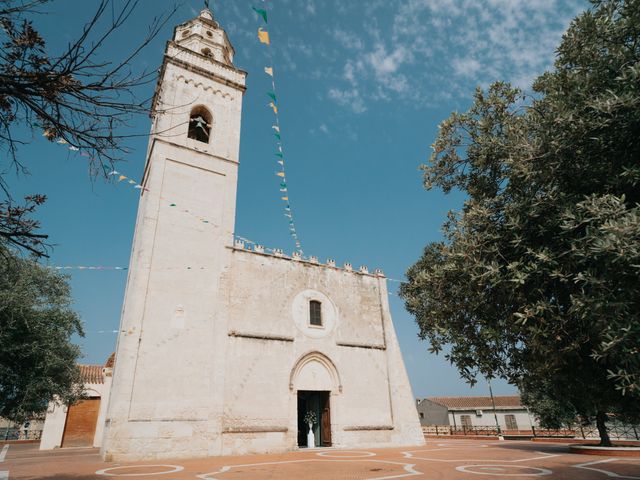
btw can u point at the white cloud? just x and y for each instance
(348, 98)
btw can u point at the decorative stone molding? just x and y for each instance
(259, 248)
(361, 345)
(278, 252)
(331, 263)
(364, 269)
(296, 256)
(313, 259)
(248, 429)
(239, 244)
(260, 336)
(204, 87)
(348, 267)
(322, 360)
(378, 272)
(356, 428)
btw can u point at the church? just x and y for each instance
(225, 348)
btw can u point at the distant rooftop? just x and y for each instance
(472, 403)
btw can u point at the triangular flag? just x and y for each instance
(276, 128)
(268, 70)
(283, 189)
(275, 109)
(278, 155)
(263, 36)
(62, 141)
(285, 198)
(114, 172)
(280, 174)
(277, 135)
(281, 162)
(272, 96)
(75, 149)
(121, 177)
(132, 182)
(138, 186)
(261, 12)
(283, 185)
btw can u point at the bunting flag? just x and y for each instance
(263, 36)
(261, 12)
(83, 267)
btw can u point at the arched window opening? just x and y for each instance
(315, 313)
(207, 52)
(200, 124)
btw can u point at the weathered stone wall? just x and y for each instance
(358, 357)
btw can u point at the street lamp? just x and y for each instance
(495, 415)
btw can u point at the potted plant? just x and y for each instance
(310, 419)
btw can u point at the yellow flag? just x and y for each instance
(280, 174)
(263, 36)
(121, 177)
(275, 109)
(268, 70)
(285, 199)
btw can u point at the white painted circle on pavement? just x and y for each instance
(108, 472)
(504, 470)
(339, 454)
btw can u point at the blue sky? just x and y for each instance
(362, 87)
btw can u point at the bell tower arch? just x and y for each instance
(165, 397)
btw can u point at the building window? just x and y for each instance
(510, 421)
(421, 415)
(200, 124)
(207, 52)
(466, 421)
(315, 313)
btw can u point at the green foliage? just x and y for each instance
(37, 360)
(538, 279)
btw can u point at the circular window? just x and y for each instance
(206, 52)
(314, 314)
(185, 33)
(209, 34)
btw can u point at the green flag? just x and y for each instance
(261, 12)
(279, 155)
(272, 96)
(277, 135)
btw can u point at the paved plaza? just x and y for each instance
(439, 459)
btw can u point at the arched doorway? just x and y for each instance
(315, 380)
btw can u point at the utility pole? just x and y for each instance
(495, 415)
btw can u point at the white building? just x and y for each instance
(80, 424)
(469, 412)
(225, 349)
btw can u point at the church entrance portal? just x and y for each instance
(319, 403)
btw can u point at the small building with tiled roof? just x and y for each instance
(80, 424)
(468, 412)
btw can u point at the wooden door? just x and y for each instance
(325, 420)
(80, 427)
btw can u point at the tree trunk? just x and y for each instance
(601, 419)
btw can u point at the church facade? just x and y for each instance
(226, 349)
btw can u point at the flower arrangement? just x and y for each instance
(310, 418)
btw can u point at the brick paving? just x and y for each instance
(440, 459)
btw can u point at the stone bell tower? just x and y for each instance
(170, 353)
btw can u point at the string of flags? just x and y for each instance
(263, 37)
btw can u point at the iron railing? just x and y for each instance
(617, 431)
(15, 433)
